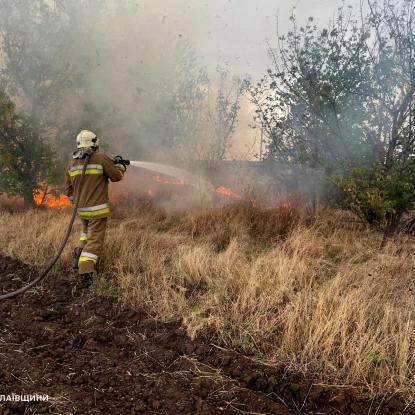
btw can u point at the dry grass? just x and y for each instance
(317, 295)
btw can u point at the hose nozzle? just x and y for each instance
(119, 159)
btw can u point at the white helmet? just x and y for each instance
(86, 139)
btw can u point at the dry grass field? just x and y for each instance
(313, 293)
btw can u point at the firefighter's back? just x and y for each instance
(93, 202)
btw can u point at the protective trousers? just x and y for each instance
(91, 242)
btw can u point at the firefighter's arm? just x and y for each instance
(68, 185)
(113, 171)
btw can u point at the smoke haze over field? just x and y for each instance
(163, 82)
(134, 45)
(328, 84)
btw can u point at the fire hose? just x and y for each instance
(116, 159)
(63, 243)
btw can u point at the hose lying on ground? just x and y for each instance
(63, 243)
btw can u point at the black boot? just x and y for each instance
(76, 254)
(86, 279)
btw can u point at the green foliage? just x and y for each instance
(365, 191)
(377, 357)
(24, 160)
(374, 193)
(340, 100)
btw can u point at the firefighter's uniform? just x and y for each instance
(93, 207)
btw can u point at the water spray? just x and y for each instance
(204, 186)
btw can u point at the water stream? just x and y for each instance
(205, 187)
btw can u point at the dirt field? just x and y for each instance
(91, 357)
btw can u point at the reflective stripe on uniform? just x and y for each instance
(84, 259)
(83, 237)
(94, 210)
(86, 256)
(88, 166)
(70, 197)
(95, 213)
(90, 169)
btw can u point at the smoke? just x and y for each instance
(136, 60)
(139, 53)
(133, 51)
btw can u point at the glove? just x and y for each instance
(70, 198)
(122, 167)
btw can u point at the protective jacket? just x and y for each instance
(93, 203)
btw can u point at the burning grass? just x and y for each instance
(315, 294)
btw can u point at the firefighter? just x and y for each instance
(93, 207)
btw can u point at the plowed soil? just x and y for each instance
(90, 356)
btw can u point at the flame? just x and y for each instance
(224, 191)
(287, 204)
(164, 180)
(52, 201)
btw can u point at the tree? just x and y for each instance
(196, 115)
(180, 104)
(340, 100)
(23, 162)
(223, 118)
(41, 43)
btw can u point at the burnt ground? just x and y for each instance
(92, 357)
